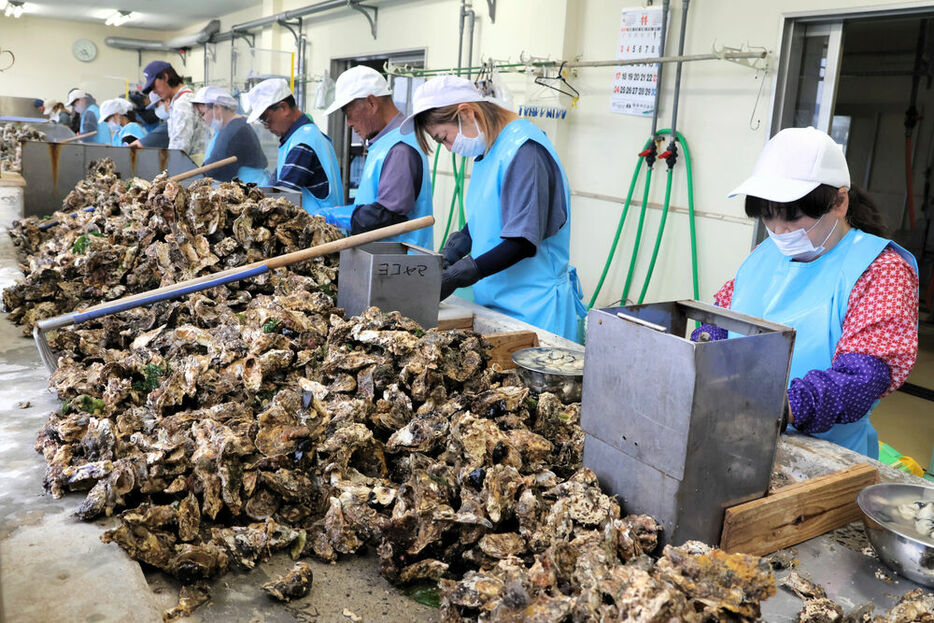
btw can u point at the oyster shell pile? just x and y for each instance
(11, 146)
(228, 425)
(144, 235)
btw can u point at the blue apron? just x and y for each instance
(368, 190)
(131, 129)
(207, 152)
(537, 289)
(103, 130)
(254, 175)
(310, 135)
(812, 297)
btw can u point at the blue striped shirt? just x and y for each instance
(302, 168)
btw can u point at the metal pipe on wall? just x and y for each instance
(473, 19)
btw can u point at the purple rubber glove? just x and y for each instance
(841, 394)
(708, 333)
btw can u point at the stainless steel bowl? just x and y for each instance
(566, 385)
(898, 545)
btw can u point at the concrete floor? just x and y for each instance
(54, 567)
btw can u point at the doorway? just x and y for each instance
(350, 147)
(865, 78)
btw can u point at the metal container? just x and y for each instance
(51, 170)
(392, 276)
(905, 551)
(540, 377)
(682, 430)
(277, 192)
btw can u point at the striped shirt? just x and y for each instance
(302, 168)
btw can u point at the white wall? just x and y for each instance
(46, 68)
(598, 148)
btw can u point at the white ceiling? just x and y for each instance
(154, 14)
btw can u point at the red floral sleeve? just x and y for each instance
(882, 316)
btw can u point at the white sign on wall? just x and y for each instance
(640, 36)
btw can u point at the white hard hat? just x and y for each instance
(74, 94)
(357, 82)
(439, 92)
(265, 94)
(114, 106)
(793, 163)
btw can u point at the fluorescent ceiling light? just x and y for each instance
(14, 8)
(119, 18)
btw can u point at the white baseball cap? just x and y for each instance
(265, 94)
(221, 97)
(439, 92)
(74, 94)
(199, 96)
(793, 163)
(357, 82)
(114, 106)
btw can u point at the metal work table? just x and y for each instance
(54, 567)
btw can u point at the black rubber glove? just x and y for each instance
(457, 246)
(460, 274)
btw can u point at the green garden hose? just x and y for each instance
(619, 229)
(635, 246)
(690, 184)
(658, 238)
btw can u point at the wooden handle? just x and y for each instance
(204, 169)
(284, 260)
(77, 138)
(351, 241)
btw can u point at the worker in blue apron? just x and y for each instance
(120, 118)
(514, 251)
(83, 103)
(200, 104)
(307, 161)
(827, 270)
(232, 137)
(395, 185)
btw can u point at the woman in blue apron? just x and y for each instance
(827, 270)
(83, 103)
(120, 118)
(514, 250)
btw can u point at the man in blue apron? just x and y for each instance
(83, 104)
(395, 185)
(827, 270)
(307, 161)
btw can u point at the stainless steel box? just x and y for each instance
(682, 430)
(392, 276)
(51, 170)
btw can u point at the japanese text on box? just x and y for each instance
(640, 36)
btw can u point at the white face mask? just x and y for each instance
(217, 124)
(162, 113)
(114, 126)
(80, 107)
(796, 244)
(468, 147)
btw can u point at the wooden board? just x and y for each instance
(505, 344)
(8, 178)
(797, 512)
(454, 317)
